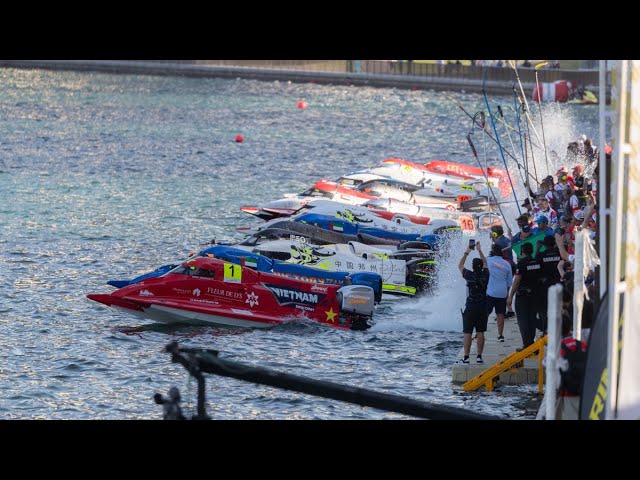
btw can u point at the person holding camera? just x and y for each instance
(475, 313)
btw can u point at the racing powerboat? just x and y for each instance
(209, 291)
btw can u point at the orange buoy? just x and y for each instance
(239, 138)
(302, 104)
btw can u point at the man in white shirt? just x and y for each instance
(500, 279)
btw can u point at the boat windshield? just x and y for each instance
(274, 255)
(315, 192)
(259, 238)
(349, 182)
(193, 271)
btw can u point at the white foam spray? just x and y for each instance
(439, 310)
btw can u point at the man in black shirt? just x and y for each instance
(526, 283)
(549, 275)
(475, 313)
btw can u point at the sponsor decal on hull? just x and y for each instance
(289, 296)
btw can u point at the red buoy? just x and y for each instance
(239, 138)
(302, 104)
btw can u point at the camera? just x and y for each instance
(472, 244)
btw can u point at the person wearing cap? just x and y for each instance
(549, 275)
(497, 237)
(525, 229)
(475, 312)
(564, 179)
(526, 289)
(543, 226)
(527, 205)
(523, 234)
(543, 209)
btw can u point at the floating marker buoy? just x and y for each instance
(302, 104)
(239, 138)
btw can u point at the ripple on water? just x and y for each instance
(136, 171)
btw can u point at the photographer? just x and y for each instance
(475, 313)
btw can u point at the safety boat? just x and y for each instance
(209, 291)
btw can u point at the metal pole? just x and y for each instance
(614, 286)
(603, 212)
(526, 104)
(495, 132)
(544, 145)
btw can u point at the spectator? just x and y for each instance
(591, 152)
(544, 210)
(500, 279)
(549, 275)
(581, 182)
(475, 312)
(543, 226)
(497, 237)
(569, 204)
(526, 288)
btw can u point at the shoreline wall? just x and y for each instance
(209, 69)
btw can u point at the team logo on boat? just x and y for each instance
(252, 299)
(286, 296)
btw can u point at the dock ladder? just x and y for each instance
(489, 377)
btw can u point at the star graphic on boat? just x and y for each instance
(331, 315)
(252, 299)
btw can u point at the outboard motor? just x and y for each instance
(373, 280)
(357, 302)
(421, 273)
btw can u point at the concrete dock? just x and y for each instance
(495, 351)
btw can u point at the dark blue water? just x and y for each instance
(109, 176)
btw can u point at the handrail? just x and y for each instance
(489, 377)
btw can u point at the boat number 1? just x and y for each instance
(232, 273)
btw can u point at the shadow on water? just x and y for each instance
(180, 330)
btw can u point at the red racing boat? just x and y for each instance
(496, 175)
(208, 291)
